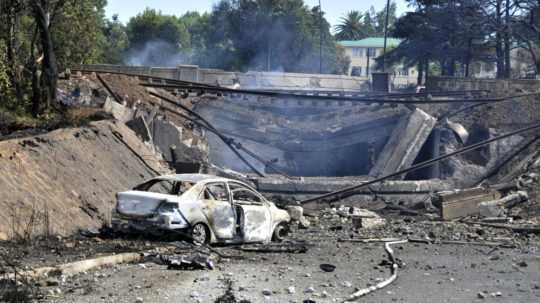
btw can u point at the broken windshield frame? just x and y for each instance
(164, 186)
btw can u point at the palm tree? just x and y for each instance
(351, 27)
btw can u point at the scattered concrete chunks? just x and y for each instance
(404, 144)
(497, 208)
(460, 203)
(140, 127)
(120, 112)
(362, 218)
(296, 212)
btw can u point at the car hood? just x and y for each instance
(139, 203)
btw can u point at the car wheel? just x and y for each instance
(280, 233)
(200, 234)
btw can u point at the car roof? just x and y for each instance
(195, 178)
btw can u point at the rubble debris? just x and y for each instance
(141, 128)
(459, 130)
(460, 203)
(526, 229)
(361, 218)
(193, 262)
(369, 240)
(288, 247)
(404, 144)
(348, 191)
(498, 208)
(304, 223)
(480, 243)
(119, 111)
(496, 220)
(296, 212)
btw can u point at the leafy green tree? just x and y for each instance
(448, 33)
(41, 37)
(196, 25)
(115, 43)
(268, 35)
(370, 23)
(78, 32)
(4, 78)
(380, 19)
(157, 39)
(350, 27)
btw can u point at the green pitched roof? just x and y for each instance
(371, 42)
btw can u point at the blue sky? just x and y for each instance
(334, 9)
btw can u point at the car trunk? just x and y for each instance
(139, 203)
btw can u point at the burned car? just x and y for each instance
(208, 209)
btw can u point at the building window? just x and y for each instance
(372, 52)
(356, 71)
(358, 52)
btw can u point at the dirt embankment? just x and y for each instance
(66, 179)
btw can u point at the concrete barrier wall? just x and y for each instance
(254, 80)
(497, 87)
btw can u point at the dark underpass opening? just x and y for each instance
(352, 160)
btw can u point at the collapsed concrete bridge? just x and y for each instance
(316, 138)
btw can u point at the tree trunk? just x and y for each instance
(426, 66)
(451, 65)
(531, 49)
(507, 46)
(12, 58)
(468, 59)
(49, 66)
(420, 72)
(498, 42)
(36, 87)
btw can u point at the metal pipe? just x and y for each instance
(394, 269)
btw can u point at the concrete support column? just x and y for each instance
(434, 142)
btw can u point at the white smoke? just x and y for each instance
(157, 53)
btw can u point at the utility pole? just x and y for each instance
(385, 35)
(320, 37)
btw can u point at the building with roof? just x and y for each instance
(363, 53)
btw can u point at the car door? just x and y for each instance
(256, 221)
(217, 207)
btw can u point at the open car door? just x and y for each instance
(216, 206)
(255, 219)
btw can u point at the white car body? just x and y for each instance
(231, 210)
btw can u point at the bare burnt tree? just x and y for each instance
(41, 13)
(528, 30)
(500, 16)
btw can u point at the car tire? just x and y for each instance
(200, 234)
(280, 233)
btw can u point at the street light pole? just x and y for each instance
(385, 35)
(320, 37)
